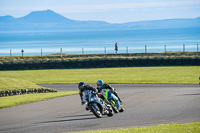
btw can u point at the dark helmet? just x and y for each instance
(81, 85)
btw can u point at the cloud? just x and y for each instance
(128, 6)
(61, 8)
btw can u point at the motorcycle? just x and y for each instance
(117, 107)
(98, 106)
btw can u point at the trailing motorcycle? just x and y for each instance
(98, 106)
(117, 107)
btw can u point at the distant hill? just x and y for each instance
(168, 23)
(49, 20)
(47, 16)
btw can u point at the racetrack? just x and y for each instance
(145, 105)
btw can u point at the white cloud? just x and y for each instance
(128, 6)
(106, 7)
(110, 11)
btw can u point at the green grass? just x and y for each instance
(168, 128)
(57, 57)
(28, 98)
(20, 79)
(15, 84)
(158, 75)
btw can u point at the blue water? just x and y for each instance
(132, 41)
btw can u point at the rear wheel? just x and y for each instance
(114, 104)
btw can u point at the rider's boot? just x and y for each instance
(86, 108)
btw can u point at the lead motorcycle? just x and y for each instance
(98, 106)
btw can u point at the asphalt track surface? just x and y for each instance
(145, 105)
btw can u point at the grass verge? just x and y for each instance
(168, 128)
(15, 84)
(158, 75)
(28, 98)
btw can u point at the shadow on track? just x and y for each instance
(195, 94)
(65, 120)
(76, 116)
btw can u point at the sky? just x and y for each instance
(112, 11)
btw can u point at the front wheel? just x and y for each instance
(95, 110)
(110, 111)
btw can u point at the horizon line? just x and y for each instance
(99, 20)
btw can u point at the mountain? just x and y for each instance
(49, 20)
(7, 19)
(46, 20)
(161, 24)
(47, 16)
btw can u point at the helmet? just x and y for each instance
(81, 85)
(99, 83)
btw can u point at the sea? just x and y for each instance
(12, 43)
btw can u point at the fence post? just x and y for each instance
(61, 53)
(145, 48)
(10, 53)
(82, 50)
(41, 52)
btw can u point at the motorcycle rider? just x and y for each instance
(101, 85)
(84, 92)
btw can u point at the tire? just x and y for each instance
(114, 105)
(111, 113)
(96, 112)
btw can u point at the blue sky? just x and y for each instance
(112, 11)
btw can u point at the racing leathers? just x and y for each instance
(85, 93)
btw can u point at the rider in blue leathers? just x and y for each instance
(101, 85)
